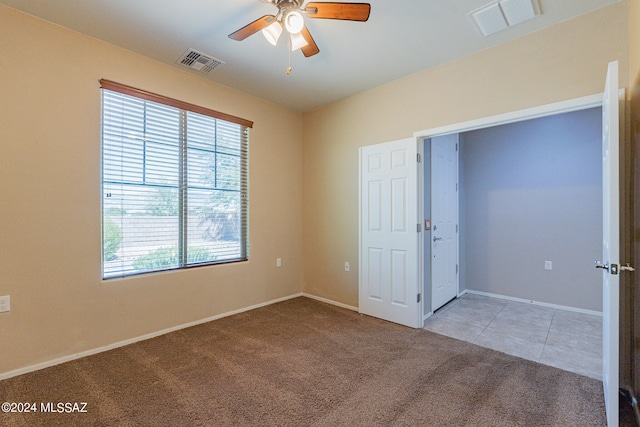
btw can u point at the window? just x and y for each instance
(174, 184)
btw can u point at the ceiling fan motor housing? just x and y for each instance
(289, 4)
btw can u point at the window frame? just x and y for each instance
(184, 109)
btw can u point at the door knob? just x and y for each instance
(435, 239)
(627, 267)
(599, 264)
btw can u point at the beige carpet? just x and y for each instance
(304, 363)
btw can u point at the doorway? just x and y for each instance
(389, 242)
(485, 225)
(531, 211)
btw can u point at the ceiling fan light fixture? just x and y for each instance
(290, 17)
(272, 33)
(293, 22)
(297, 41)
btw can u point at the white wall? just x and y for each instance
(532, 192)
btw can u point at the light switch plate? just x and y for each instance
(5, 303)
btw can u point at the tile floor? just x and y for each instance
(564, 339)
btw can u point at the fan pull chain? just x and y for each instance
(289, 49)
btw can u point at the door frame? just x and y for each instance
(576, 104)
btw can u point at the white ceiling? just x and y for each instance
(400, 38)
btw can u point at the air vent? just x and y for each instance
(517, 11)
(490, 19)
(500, 15)
(199, 61)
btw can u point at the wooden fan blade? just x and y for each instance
(311, 48)
(253, 28)
(336, 10)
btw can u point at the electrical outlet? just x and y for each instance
(548, 265)
(5, 303)
(278, 262)
(347, 267)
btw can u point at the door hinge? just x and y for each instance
(456, 268)
(418, 297)
(456, 146)
(418, 155)
(418, 228)
(456, 228)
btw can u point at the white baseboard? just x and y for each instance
(527, 301)
(328, 301)
(37, 367)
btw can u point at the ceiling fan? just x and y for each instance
(290, 18)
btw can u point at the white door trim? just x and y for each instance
(568, 106)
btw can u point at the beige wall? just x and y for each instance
(563, 62)
(634, 39)
(50, 209)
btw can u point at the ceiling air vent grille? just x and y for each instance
(502, 14)
(199, 61)
(517, 11)
(490, 19)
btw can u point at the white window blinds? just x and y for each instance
(174, 185)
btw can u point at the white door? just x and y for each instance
(610, 245)
(389, 239)
(444, 220)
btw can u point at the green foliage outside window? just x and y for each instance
(167, 257)
(112, 239)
